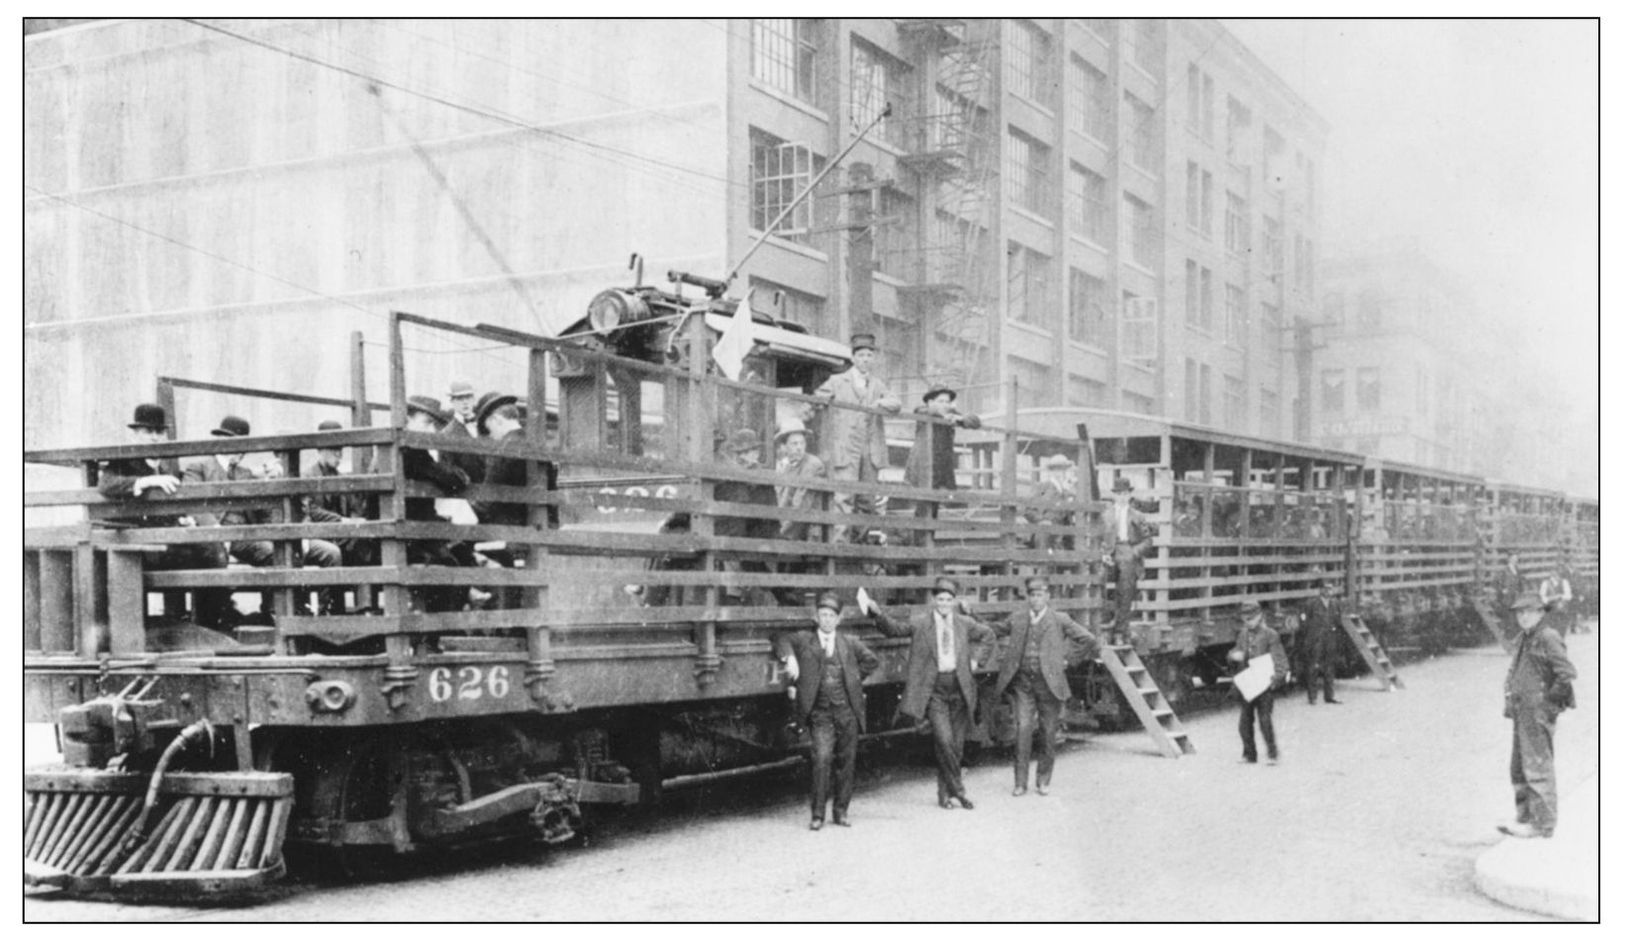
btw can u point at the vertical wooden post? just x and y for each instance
(1010, 474)
(1208, 466)
(31, 600)
(708, 660)
(399, 671)
(361, 414)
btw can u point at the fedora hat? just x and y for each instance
(489, 404)
(1057, 463)
(862, 341)
(1036, 583)
(231, 427)
(329, 425)
(790, 427)
(460, 388)
(829, 599)
(1122, 485)
(429, 407)
(1250, 604)
(743, 440)
(946, 585)
(149, 416)
(937, 390)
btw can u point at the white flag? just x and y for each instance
(736, 340)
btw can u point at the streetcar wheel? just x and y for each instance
(352, 780)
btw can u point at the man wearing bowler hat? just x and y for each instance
(947, 645)
(1034, 668)
(426, 415)
(462, 423)
(852, 442)
(933, 460)
(1319, 642)
(826, 669)
(1130, 539)
(498, 416)
(1539, 686)
(152, 479)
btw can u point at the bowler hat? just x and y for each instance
(429, 407)
(489, 404)
(1036, 583)
(460, 388)
(148, 416)
(231, 427)
(329, 425)
(1122, 485)
(792, 426)
(862, 341)
(829, 599)
(937, 390)
(1057, 463)
(1527, 601)
(1250, 604)
(945, 584)
(743, 440)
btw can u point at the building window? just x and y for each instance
(1027, 173)
(1303, 265)
(1089, 309)
(1271, 335)
(1141, 128)
(1237, 225)
(1029, 52)
(1192, 196)
(1137, 338)
(798, 307)
(1274, 247)
(1086, 393)
(1206, 298)
(1192, 294)
(1204, 394)
(893, 246)
(1238, 133)
(1089, 100)
(1146, 38)
(1206, 203)
(1199, 113)
(1274, 150)
(1333, 390)
(876, 80)
(1142, 233)
(1369, 315)
(1034, 379)
(781, 170)
(1368, 387)
(1333, 313)
(1028, 287)
(1234, 404)
(1234, 315)
(1088, 212)
(1268, 412)
(1191, 390)
(784, 56)
(1103, 30)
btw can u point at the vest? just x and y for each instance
(831, 693)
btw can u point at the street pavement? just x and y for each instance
(1379, 811)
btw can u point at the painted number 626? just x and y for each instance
(469, 683)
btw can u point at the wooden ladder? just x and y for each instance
(1492, 623)
(1371, 651)
(1146, 699)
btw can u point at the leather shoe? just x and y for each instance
(1520, 830)
(1247, 760)
(1332, 701)
(841, 821)
(1274, 761)
(964, 800)
(1019, 791)
(945, 801)
(816, 823)
(1041, 789)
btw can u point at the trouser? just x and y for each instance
(260, 553)
(1261, 709)
(1129, 568)
(862, 471)
(209, 604)
(1317, 672)
(834, 733)
(1534, 778)
(948, 720)
(1033, 701)
(925, 510)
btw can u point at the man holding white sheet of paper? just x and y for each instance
(1254, 642)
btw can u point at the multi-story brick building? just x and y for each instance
(1110, 213)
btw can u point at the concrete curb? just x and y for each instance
(1554, 876)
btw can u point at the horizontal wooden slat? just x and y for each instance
(215, 445)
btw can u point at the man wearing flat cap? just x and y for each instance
(150, 479)
(1033, 668)
(947, 645)
(462, 423)
(1255, 639)
(826, 669)
(1539, 685)
(852, 442)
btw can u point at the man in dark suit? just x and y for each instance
(426, 415)
(1539, 685)
(946, 647)
(461, 423)
(826, 669)
(1319, 643)
(1255, 639)
(1034, 667)
(932, 462)
(1130, 538)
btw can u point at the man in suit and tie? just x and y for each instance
(946, 647)
(826, 670)
(1319, 643)
(853, 441)
(1034, 667)
(1131, 538)
(462, 423)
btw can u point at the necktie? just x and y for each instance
(1121, 523)
(943, 626)
(826, 644)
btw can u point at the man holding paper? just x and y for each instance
(1258, 647)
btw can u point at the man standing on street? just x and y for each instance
(853, 441)
(1034, 667)
(940, 678)
(1254, 639)
(1319, 643)
(1539, 685)
(826, 669)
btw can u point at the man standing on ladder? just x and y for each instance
(1132, 539)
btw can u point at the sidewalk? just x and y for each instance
(1554, 876)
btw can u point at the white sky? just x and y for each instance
(1480, 139)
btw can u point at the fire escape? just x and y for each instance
(953, 156)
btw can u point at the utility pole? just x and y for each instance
(858, 238)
